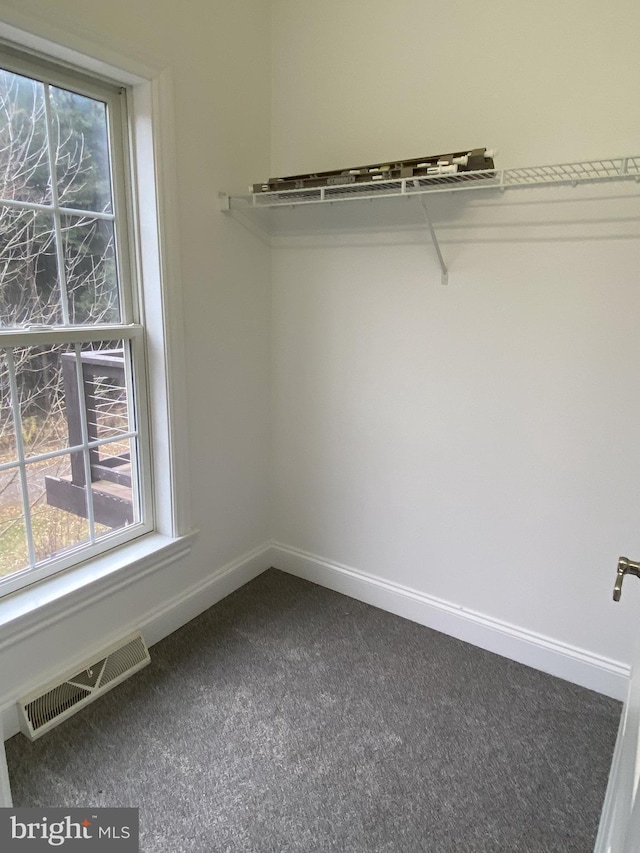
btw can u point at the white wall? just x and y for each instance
(475, 442)
(478, 442)
(222, 109)
(357, 81)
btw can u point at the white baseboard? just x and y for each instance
(579, 666)
(155, 624)
(576, 665)
(196, 599)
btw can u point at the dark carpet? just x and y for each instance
(291, 719)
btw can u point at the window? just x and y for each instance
(74, 455)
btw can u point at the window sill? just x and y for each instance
(36, 607)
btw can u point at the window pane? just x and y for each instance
(106, 396)
(107, 402)
(58, 517)
(107, 406)
(113, 495)
(29, 290)
(82, 151)
(14, 554)
(41, 398)
(90, 269)
(24, 158)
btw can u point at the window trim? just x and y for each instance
(153, 216)
(127, 329)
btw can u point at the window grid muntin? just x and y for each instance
(140, 485)
(76, 448)
(57, 227)
(86, 461)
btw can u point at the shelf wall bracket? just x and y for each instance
(444, 274)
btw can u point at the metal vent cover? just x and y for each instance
(58, 700)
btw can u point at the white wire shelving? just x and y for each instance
(265, 210)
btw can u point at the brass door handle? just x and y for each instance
(625, 567)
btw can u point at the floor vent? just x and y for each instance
(53, 703)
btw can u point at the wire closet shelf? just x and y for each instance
(583, 172)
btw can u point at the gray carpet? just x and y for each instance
(291, 719)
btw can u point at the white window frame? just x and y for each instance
(129, 330)
(152, 213)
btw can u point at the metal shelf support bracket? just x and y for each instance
(444, 275)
